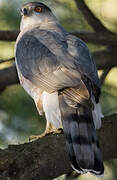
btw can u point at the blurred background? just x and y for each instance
(18, 115)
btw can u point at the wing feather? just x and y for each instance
(42, 67)
(54, 61)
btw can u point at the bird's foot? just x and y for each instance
(45, 133)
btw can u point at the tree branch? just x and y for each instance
(46, 158)
(93, 21)
(90, 37)
(105, 59)
(96, 38)
(8, 76)
(104, 75)
(7, 60)
(8, 35)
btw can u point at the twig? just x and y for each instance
(7, 60)
(104, 75)
(94, 22)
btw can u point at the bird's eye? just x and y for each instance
(38, 9)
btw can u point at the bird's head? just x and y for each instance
(36, 14)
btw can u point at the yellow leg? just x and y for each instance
(49, 130)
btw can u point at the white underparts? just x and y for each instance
(52, 111)
(97, 114)
(51, 108)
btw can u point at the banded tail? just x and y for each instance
(81, 140)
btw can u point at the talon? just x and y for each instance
(35, 137)
(47, 132)
(57, 131)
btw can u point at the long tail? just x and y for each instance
(81, 140)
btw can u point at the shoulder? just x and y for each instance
(78, 48)
(83, 59)
(75, 40)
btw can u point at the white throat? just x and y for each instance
(32, 21)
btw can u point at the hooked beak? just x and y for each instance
(24, 12)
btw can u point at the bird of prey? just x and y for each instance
(57, 71)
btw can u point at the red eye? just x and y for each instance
(38, 9)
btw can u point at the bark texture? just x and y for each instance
(46, 158)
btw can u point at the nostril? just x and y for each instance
(25, 11)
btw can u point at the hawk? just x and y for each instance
(57, 71)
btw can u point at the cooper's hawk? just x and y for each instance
(56, 69)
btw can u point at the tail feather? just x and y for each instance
(98, 168)
(67, 133)
(81, 139)
(84, 128)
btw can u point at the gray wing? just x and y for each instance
(83, 59)
(74, 52)
(46, 59)
(42, 67)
